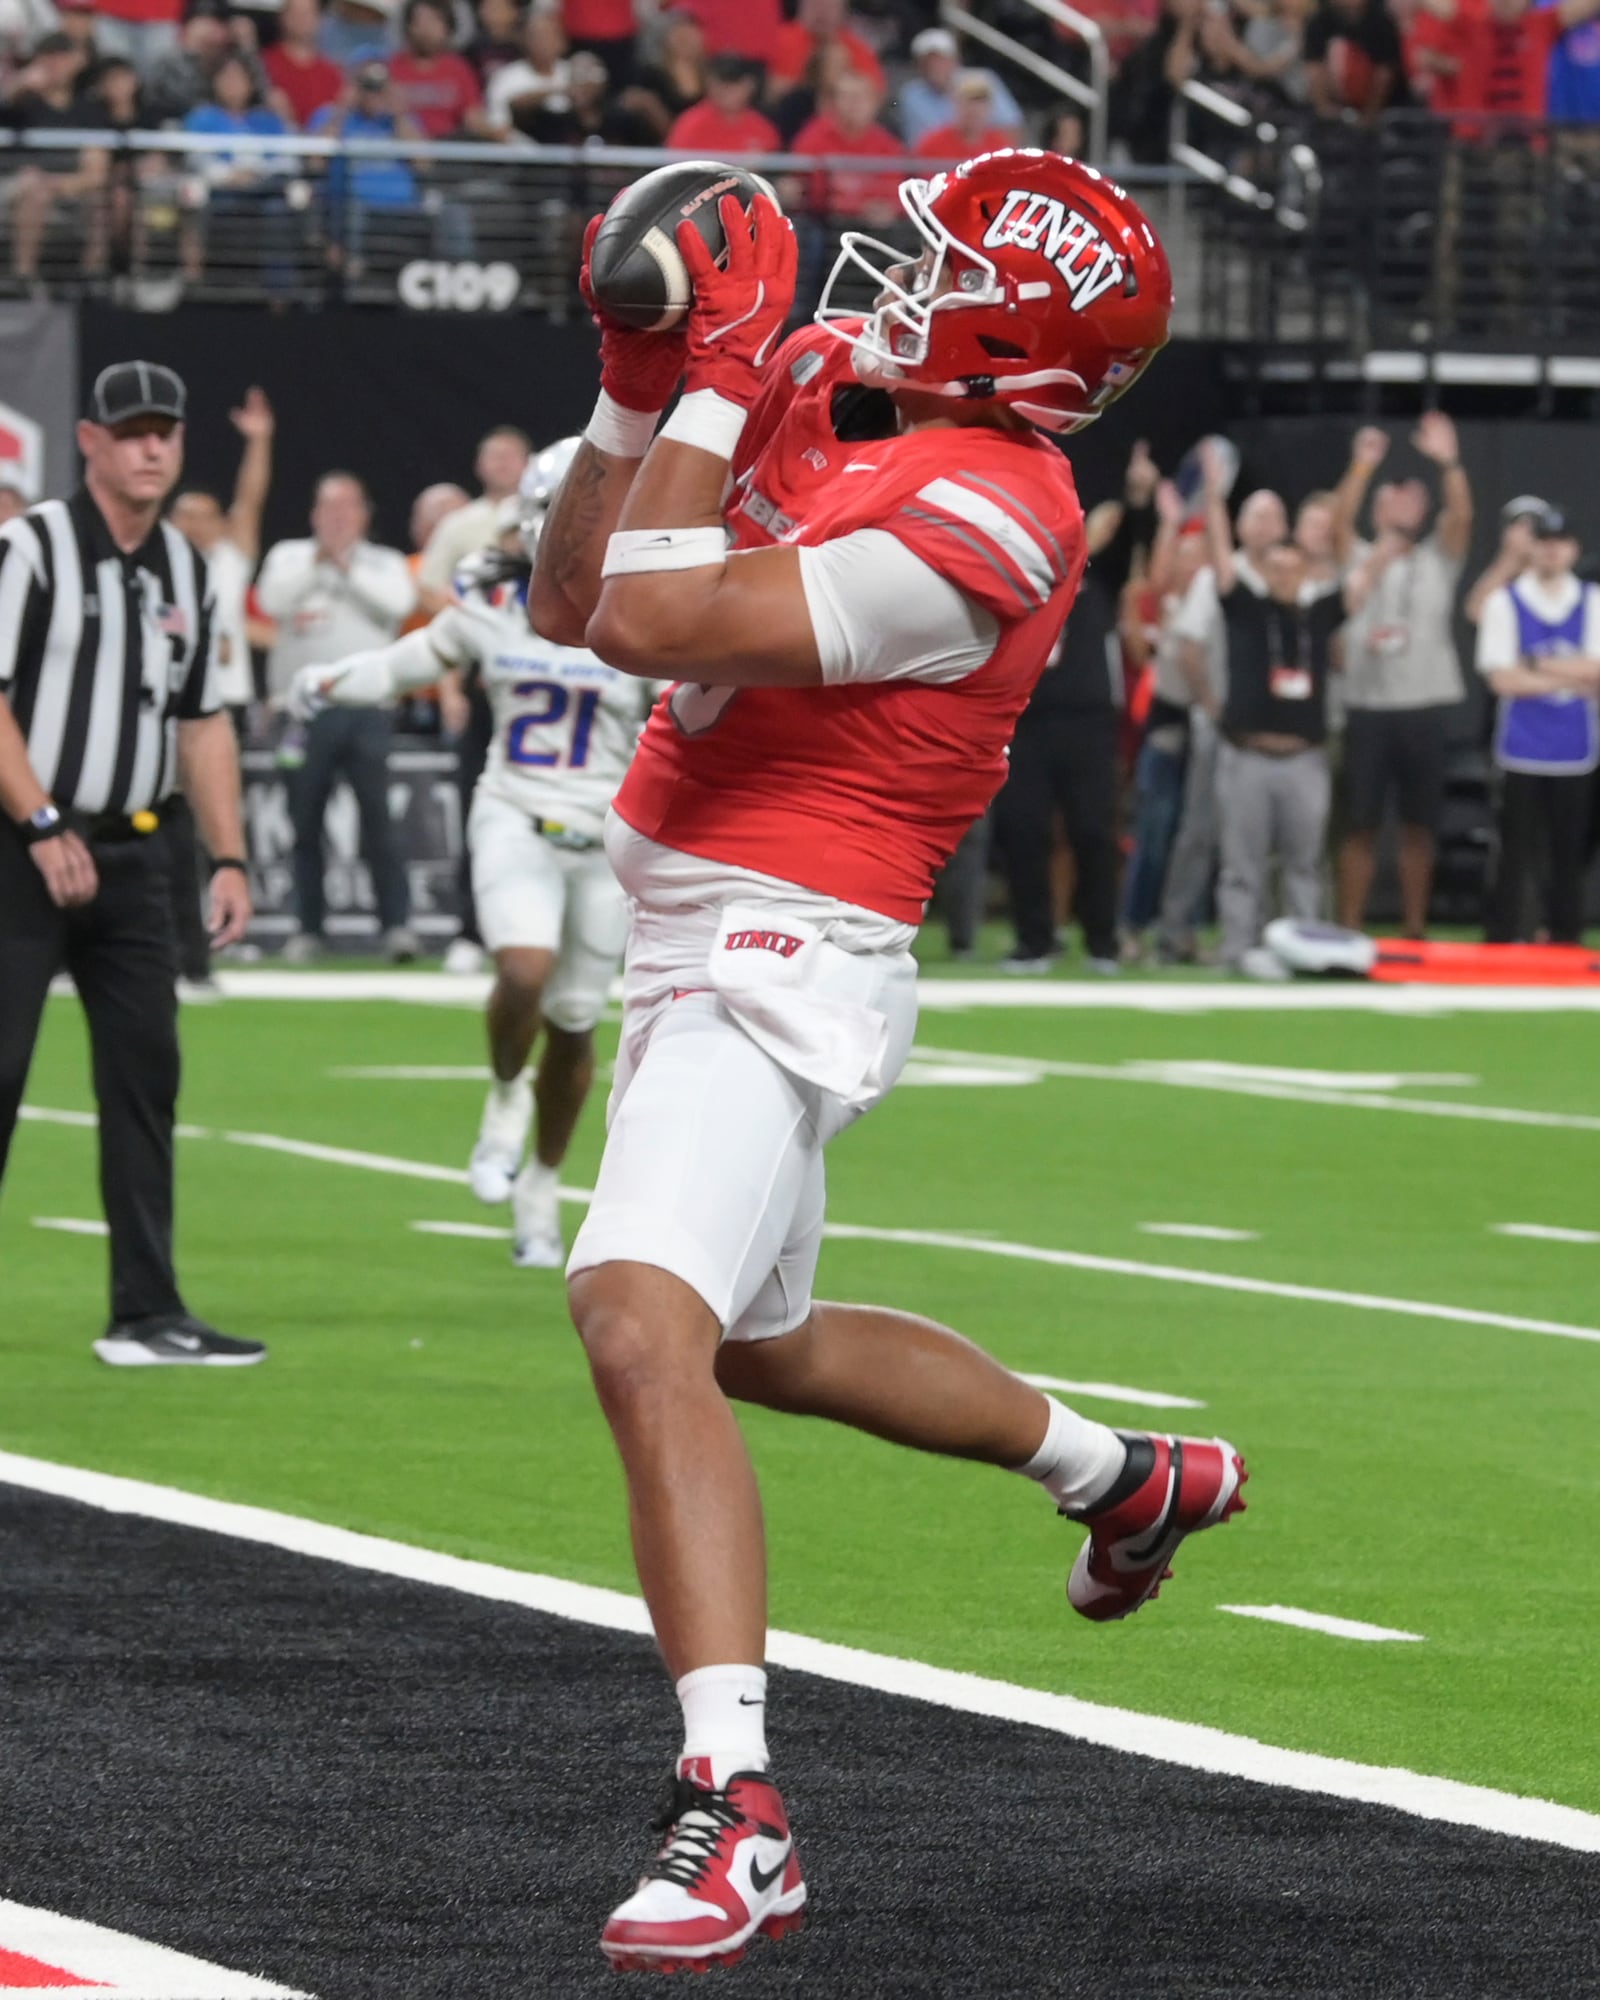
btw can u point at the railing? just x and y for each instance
(1416, 249)
(1291, 202)
(295, 221)
(1093, 95)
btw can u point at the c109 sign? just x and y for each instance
(428, 286)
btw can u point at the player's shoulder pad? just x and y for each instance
(996, 513)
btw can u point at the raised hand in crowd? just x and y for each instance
(1435, 438)
(1142, 477)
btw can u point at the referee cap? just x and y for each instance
(136, 389)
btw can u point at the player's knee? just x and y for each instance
(571, 1023)
(521, 975)
(637, 1346)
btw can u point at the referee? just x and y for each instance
(108, 699)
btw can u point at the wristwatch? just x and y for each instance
(43, 824)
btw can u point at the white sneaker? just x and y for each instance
(502, 1140)
(536, 1243)
(463, 958)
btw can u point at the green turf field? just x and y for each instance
(1420, 1473)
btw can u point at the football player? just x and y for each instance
(549, 906)
(849, 680)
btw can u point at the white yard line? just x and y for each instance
(113, 1966)
(1545, 1232)
(1190, 1745)
(415, 1072)
(1321, 1621)
(936, 1239)
(72, 1225)
(1240, 1081)
(1115, 1392)
(1205, 1232)
(1176, 1274)
(940, 996)
(476, 1232)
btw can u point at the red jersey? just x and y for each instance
(841, 192)
(738, 27)
(862, 791)
(437, 91)
(946, 143)
(307, 85)
(705, 129)
(790, 452)
(1505, 65)
(794, 46)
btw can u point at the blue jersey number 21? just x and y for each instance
(556, 702)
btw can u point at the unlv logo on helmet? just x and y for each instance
(1064, 238)
(1040, 285)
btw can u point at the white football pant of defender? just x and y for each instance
(551, 913)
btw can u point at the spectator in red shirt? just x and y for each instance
(849, 125)
(817, 25)
(725, 121)
(973, 129)
(1504, 53)
(436, 88)
(605, 28)
(738, 27)
(300, 74)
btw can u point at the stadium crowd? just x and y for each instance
(714, 76)
(1245, 694)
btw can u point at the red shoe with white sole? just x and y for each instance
(726, 1874)
(1170, 1487)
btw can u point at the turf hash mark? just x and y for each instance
(1319, 1621)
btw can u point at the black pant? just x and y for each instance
(1066, 759)
(472, 753)
(353, 743)
(184, 880)
(119, 950)
(1541, 819)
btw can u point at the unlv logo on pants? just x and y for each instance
(1067, 241)
(778, 941)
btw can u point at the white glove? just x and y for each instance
(308, 692)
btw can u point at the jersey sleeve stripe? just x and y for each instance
(1063, 564)
(1028, 599)
(1001, 528)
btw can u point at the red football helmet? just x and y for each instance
(1042, 284)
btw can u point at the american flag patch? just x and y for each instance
(172, 620)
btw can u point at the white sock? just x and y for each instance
(1079, 1459)
(503, 1095)
(725, 1720)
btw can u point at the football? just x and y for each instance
(636, 270)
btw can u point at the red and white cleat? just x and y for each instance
(1170, 1487)
(726, 1874)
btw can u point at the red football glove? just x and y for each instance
(638, 370)
(739, 312)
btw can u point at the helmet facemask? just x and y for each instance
(895, 341)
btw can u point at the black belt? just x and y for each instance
(102, 829)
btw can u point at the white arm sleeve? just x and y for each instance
(1497, 634)
(880, 613)
(368, 680)
(1200, 610)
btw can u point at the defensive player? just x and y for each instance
(845, 706)
(549, 906)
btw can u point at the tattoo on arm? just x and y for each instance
(575, 515)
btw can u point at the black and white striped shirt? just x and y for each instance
(102, 654)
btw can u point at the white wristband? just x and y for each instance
(632, 550)
(708, 421)
(621, 432)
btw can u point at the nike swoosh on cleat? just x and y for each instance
(762, 1879)
(189, 1341)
